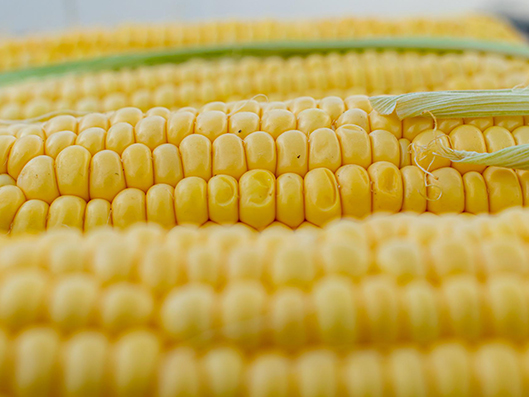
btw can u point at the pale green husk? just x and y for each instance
(516, 157)
(457, 104)
(454, 104)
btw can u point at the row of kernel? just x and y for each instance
(303, 113)
(161, 260)
(173, 96)
(291, 150)
(374, 72)
(333, 311)
(258, 198)
(40, 362)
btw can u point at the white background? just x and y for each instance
(22, 16)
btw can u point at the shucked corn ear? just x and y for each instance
(318, 75)
(304, 160)
(49, 49)
(217, 311)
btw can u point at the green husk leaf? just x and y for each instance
(284, 48)
(448, 104)
(516, 157)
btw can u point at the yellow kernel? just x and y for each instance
(260, 150)
(191, 205)
(196, 156)
(324, 150)
(228, 156)
(242, 124)
(97, 214)
(322, 198)
(390, 123)
(160, 205)
(387, 189)
(223, 199)
(312, 119)
(38, 181)
(290, 200)
(22, 151)
(211, 124)
(106, 175)
(128, 207)
(180, 125)
(92, 139)
(66, 211)
(137, 167)
(476, 195)
(58, 142)
(167, 165)
(292, 153)
(119, 137)
(257, 198)
(277, 121)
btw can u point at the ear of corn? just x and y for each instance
(303, 160)
(52, 49)
(227, 310)
(198, 82)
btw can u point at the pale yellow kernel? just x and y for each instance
(135, 363)
(167, 165)
(196, 156)
(125, 306)
(269, 376)
(85, 364)
(180, 125)
(228, 156)
(257, 198)
(72, 166)
(242, 312)
(243, 123)
(277, 121)
(97, 214)
(22, 298)
(151, 131)
(72, 302)
(66, 211)
(160, 205)
(187, 313)
(119, 137)
(223, 199)
(128, 208)
(37, 179)
(138, 167)
(92, 139)
(36, 362)
(191, 205)
(22, 151)
(316, 373)
(106, 175)
(58, 142)
(11, 199)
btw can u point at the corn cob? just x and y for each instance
(43, 50)
(147, 306)
(313, 161)
(200, 81)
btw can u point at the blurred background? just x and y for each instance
(22, 16)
